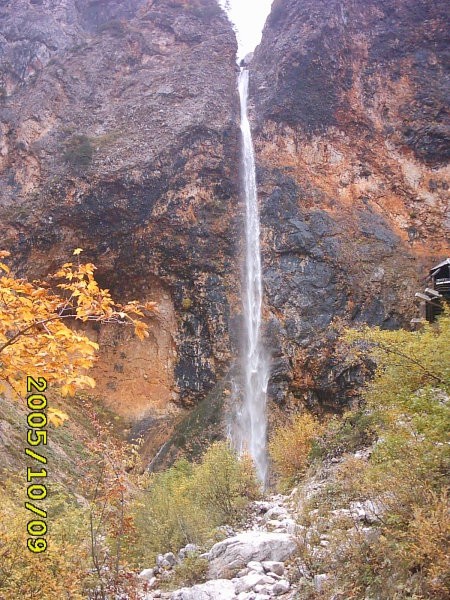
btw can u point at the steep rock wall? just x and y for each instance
(352, 139)
(119, 134)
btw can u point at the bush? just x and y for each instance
(353, 431)
(426, 548)
(223, 485)
(406, 475)
(186, 503)
(191, 571)
(57, 573)
(290, 447)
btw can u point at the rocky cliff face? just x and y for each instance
(352, 143)
(119, 134)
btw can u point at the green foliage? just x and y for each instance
(79, 152)
(354, 430)
(57, 573)
(191, 571)
(290, 447)
(223, 484)
(406, 407)
(186, 503)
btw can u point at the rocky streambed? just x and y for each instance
(271, 555)
(250, 564)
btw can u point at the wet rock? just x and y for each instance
(121, 121)
(342, 222)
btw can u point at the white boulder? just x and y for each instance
(219, 589)
(319, 581)
(252, 581)
(281, 587)
(232, 554)
(253, 565)
(147, 574)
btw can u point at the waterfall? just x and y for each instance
(250, 430)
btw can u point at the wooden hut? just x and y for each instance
(438, 290)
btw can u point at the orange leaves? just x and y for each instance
(140, 329)
(4, 254)
(56, 417)
(34, 332)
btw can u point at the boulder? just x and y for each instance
(319, 581)
(147, 574)
(219, 589)
(275, 513)
(281, 587)
(253, 565)
(159, 560)
(273, 566)
(235, 553)
(188, 549)
(252, 581)
(368, 511)
(170, 558)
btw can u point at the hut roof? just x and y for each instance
(439, 266)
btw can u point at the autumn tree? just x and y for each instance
(38, 339)
(35, 337)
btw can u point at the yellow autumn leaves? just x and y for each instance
(35, 338)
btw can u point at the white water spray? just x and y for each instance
(250, 429)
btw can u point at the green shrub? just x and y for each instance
(353, 431)
(223, 484)
(186, 503)
(61, 569)
(407, 409)
(191, 571)
(290, 447)
(186, 303)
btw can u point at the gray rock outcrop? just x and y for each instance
(234, 553)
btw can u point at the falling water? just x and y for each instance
(251, 427)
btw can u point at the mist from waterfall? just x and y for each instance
(249, 432)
